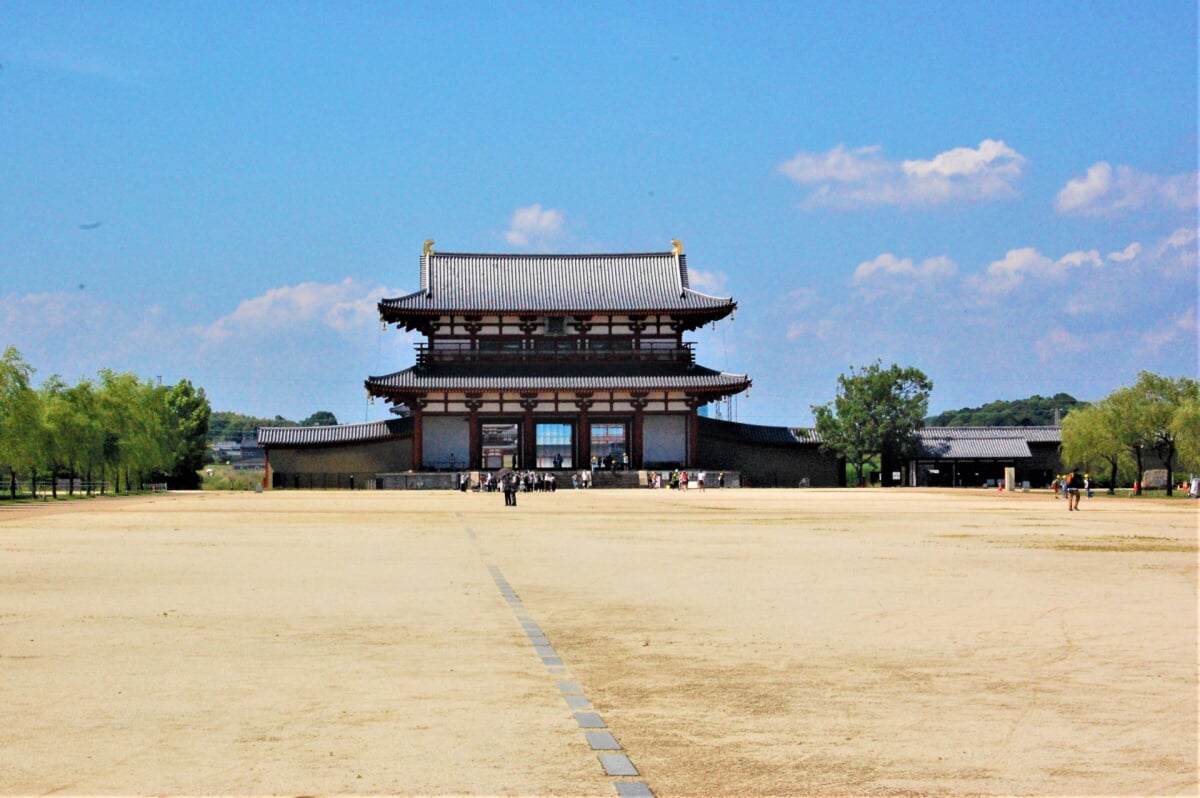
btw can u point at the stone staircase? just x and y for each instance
(616, 479)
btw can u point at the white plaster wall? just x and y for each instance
(664, 439)
(442, 437)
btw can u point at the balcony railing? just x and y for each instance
(553, 352)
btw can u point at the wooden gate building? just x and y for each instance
(551, 361)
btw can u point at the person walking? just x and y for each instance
(1071, 486)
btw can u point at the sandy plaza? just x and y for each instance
(637, 642)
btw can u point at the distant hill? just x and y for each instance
(1036, 411)
(225, 425)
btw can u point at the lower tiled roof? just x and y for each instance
(572, 377)
(975, 448)
(984, 443)
(339, 434)
(756, 433)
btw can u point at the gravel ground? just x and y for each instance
(737, 642)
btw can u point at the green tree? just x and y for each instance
(877, 411)
(321, 418)
(22, 433)
(189, 412)
(225, 425)
(1156, 414)
(1162, 399)
(1089, 436)
(1131, 427)
(1186, 425)
(137, 424)
(56, 429)
(1036, 411)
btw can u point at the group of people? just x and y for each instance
(682, 479)
(611, 462)
(511, 482)
(521, 481)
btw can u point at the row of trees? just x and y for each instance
(225, 425)
(112, 429)
(1159, 415)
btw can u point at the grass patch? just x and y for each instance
(223, 477)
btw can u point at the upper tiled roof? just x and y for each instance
(571, 377)
(463, 282)
(340, 434)
(1031, 434)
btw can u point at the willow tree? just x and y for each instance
(1162, 399)
(22, 431)
(136, 424)
(1154, 415)
(1089, 436)
(74, 439)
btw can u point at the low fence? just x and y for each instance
(47, 485)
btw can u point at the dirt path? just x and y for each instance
(729, 643)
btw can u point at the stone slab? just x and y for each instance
(617, 765)
(602, 741)
(578, 702)
(589, 720)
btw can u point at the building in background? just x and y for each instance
(553, 361)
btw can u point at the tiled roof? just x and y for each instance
(340, 434)
(1031, 434)
(984, 443)
(555, 283)
(975, 448)
(756, 433)
(573, 377)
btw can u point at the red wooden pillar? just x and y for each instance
(637, 434)
(584, 433)
(693, 441)
(528, 432)
(418, 454)
(474, 461)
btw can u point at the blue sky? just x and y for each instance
(1002, 194)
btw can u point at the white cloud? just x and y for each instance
(839, 165)
(347, 307)
(1018, 265)
(1129, 253)
(888, 265)
(1058, 342)
(1179, 332)
(847, 179)
(809, 330)
(892, 277)
(1002, 276)
(78, 63)
(1104, 191)
(534, 226)
(712, 283)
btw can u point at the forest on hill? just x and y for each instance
(1036, 411)
(225, 425)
